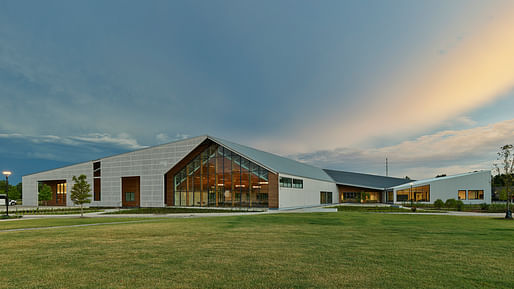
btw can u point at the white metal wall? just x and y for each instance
(29, 182)
(447, 188)
(308, 196)
(149, 164)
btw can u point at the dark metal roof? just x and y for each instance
(365, 180)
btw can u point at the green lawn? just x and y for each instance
(52, 222)
(314, 250)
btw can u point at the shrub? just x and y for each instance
(438, 203)
(459, 204)
(484, 207)
(451, 203)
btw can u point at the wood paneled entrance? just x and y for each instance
(59, 190)
(130, 191)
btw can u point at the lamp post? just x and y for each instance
(6, 174)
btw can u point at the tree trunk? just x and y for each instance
(81, 211)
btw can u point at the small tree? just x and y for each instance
(80, 193)
(45, 193)
(505, 168)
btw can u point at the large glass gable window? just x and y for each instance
(218, 177)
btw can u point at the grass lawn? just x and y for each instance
(315, 250)
(53, 222)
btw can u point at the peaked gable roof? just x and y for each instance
(365, 180)
(274, 162)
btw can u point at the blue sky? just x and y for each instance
(339, 84)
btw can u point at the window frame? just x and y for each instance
(297, 183)
(286, 184)
(479, 196)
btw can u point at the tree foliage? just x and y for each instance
(44, 193)
(13, 191)
(505, 169)
(80, 192)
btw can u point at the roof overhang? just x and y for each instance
(361, 186)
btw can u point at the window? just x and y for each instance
(390, 196)
(297, 184)
(350, 195)
(415, 194)
(96, 169)
(130, 197)
(286, 182)
(462, 194)
(325, 197)
(218, 177)
(61, 193)
(97, 173)
(475, 194)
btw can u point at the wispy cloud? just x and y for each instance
(121, 140)
(164, 138)
(449, 151)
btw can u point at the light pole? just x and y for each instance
(6, 174)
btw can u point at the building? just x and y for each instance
(207, 171)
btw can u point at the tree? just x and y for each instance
(45, 193)
(14, 194)
(13, 191)
(80, 193)
(19, 187)
(505, 168)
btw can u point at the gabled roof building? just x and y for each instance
(211, 172)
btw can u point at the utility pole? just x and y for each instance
(387, 168)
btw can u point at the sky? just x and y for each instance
(337, 84)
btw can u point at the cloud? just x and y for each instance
(448, 151)
(164, 138)
(464, 120)
(122, 140)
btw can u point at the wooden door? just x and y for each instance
(130, 191)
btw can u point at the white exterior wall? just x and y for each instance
(149, 164)
(308, 196)
(30, 182)
(448, 188)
